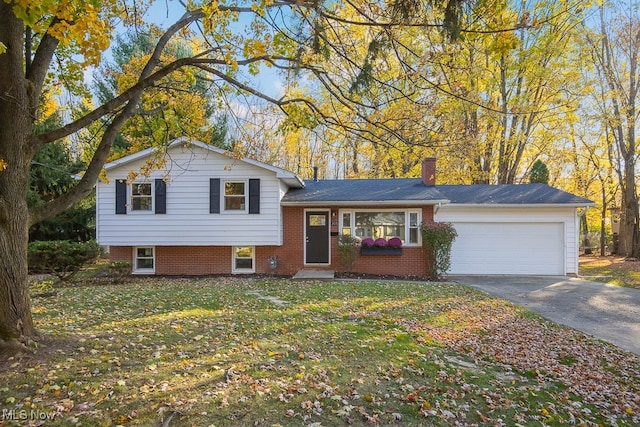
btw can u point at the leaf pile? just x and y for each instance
(231, 351)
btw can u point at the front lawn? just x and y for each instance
(612, 269)
(234, 352)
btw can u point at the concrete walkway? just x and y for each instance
(608, 312)
(314, 275)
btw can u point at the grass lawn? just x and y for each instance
(236, 352)
(611, 269)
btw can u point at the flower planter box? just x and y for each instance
(376, 250)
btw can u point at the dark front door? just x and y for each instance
(317, 237)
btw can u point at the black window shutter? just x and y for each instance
(161, 196)
(254, 196)
(121, 196)
(214, 195)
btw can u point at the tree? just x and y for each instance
(539, 173)
(485, 105)
(52, 173)
(183, 105)
(46, 44)
(615, 50)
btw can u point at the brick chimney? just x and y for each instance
(429, 171)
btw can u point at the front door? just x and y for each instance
(317, 237)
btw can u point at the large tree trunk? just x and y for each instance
(629, 244)
(15, 130)
(15, 311)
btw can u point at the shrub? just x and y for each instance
(437, 239)
(62, 258)
(394, 242)
(119, 269)
(380, 242)
(368, 242)
(347, 250)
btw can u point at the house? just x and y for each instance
(207, 212)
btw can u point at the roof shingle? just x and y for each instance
(413, 191)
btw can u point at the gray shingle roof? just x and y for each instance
(511, 194)
(364, 190)
(413, 191)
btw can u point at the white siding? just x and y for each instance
(188, 221)
(498, 240)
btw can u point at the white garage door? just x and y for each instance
(508, 248)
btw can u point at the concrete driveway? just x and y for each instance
(608, 312)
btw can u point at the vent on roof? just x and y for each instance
(315, 174)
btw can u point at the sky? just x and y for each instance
(164, 13)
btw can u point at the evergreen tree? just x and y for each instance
(539, 173)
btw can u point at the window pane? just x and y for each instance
(234, 203)
(145, 252)
(346, 220)
(244, 264)
(141, 204)
(246, 252)
(145, 263)
(380, 224)
(141, 189)
(413, 219)
(413, 235)
(317, 220)
(234, 188)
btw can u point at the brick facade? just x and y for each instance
(211, 260)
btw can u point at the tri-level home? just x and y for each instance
(207, 212)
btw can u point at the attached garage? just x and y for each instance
(508, 248)
(505, 230)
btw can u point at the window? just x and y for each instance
(141, 196)
(144, 260)
(386, 224)
(346, 223)
(234, 196)
(141, 199)
(243, 259)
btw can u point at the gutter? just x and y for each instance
(521, 205)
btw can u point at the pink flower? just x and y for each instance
(395, 242)
(367, 243)
(380, 242)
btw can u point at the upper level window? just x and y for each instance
(379, 223)
(141, 199)
(234, 196)
(141, 196)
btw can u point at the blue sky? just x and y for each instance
(166, 12)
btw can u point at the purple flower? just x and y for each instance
(395, 242)
(380, 242)
(367, 243)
